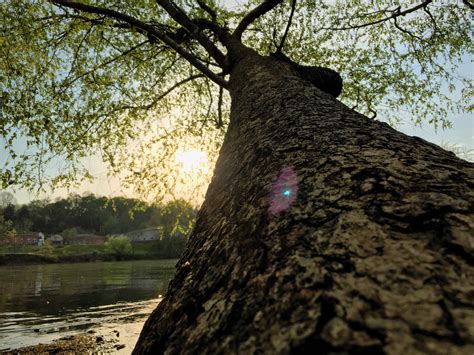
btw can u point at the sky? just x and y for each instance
(461, 136)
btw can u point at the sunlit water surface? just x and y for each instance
(40, 303)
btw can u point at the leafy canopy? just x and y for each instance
(97, 215)
(133, 80)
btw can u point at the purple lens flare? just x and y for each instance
(284, 191)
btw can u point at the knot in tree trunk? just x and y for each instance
(325, 79)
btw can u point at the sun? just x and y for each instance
(191, 159)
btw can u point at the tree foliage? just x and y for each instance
(6, 199)
(6, 228)
(134, 80)
(119, 245)
(47, 248)
(98, 215)
(176, 218)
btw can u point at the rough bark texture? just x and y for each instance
(373, 256)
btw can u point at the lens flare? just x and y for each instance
(284, 191)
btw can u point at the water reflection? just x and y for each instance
(62, 298)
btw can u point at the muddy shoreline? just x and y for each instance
(85, 343)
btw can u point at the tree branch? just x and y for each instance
(433, 21)
(76, 52)
(220, 123)
(180, 17)
(260, 10)
(107, 62)
(150, 30)
(468, 4)
(128, 107)
(405, 31)
(395, 13)
(280, 47)
(208, 9)
(158, 98)
(222, 33)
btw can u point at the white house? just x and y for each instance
(56, 239)
(145, 235)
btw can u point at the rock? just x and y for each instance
(99, 339)
(119, 346)
(91, 331)
(36, 330)
(69, 337)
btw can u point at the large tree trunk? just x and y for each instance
(322, 232)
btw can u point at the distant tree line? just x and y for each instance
(93, 214)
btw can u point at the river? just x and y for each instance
(40, 303)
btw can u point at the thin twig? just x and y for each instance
(405, 30)
(107, 62)
(395, 13)
(76, 53)
(433, 21)
(280, 47)
(220, 122)
(175, 86)
(211, 101)
(357, 99)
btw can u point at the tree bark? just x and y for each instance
(322, 232)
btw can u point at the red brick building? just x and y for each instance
(34, 238)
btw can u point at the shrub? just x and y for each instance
(47, 249)
(119, 246)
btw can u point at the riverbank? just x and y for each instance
(28, 255)
(85, 343)
(73, 344)
(116, 336)
(30, 259)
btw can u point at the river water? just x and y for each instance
(40, 303)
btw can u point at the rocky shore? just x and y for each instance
(87, 343)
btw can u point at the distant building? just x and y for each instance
(85, 239)
(145, 235)
(56, 239)
(34, 238)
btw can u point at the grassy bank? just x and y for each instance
(84, 253)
